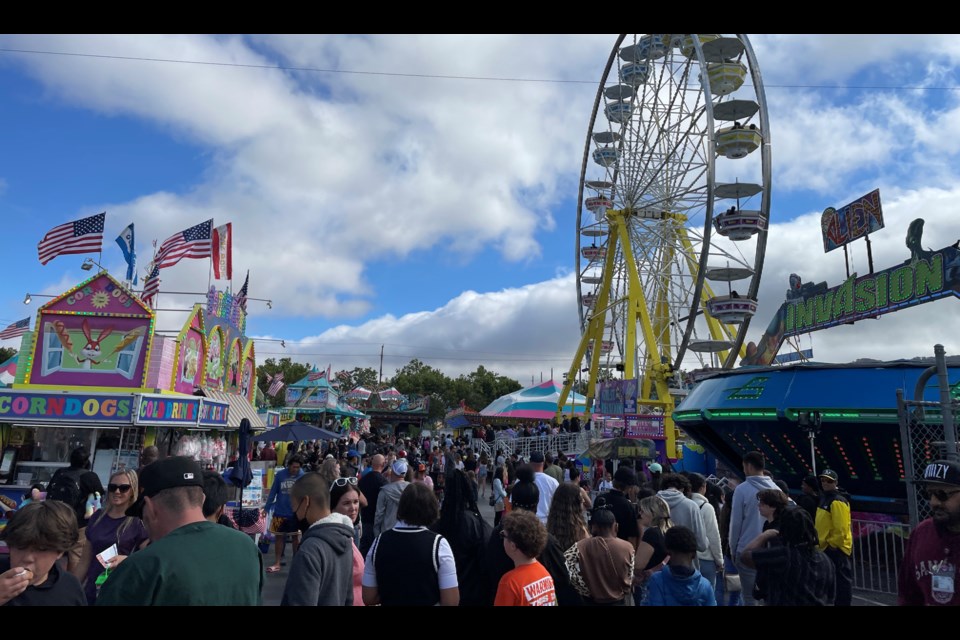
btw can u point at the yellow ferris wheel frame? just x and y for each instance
(656, 373)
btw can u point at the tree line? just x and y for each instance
(476, 389)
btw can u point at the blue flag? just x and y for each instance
(127, 246)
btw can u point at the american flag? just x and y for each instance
(80, 236)
(316, 375)
(15, 329)
(193, 243)
(151, 286)
(277, 384)
(241, 296)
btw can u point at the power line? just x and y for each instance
(400, 357)
(312, 69)
(444, 76)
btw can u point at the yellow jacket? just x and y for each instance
(833, 524)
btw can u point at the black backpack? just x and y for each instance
(65, 487)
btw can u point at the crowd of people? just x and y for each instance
(393, 522)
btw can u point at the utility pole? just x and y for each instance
(380, 375)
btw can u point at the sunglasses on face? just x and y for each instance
(941, 494)
(342, 482)
(122, 488)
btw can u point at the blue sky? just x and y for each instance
(437, 215)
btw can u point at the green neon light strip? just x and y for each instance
(742, 414)
(686, 415)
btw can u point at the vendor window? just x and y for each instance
(52, 353)
(127, 358)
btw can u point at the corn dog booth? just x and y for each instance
(93, 373)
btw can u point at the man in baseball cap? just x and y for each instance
(179, 471)
(190, 560)
(928, 570)
(836, 536)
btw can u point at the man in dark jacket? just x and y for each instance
(85, 483)
(322, 570)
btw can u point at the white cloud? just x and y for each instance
(320, 172)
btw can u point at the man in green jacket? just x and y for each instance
(836, 538)
(190, 561)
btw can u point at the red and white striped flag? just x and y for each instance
(316, 375)
(151, 286)
(15, 329)
(223, 252)
(190, 243)
(277, 384)
(80, 236)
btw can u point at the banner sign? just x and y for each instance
(855, 220)
(644, 426)
(20, 406)
(165, 410)
(617, 397)
(213, 413)
(924, 277)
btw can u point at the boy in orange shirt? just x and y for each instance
(528, 584)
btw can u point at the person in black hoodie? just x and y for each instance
(467, 532)
(526, 495)
(321, 573)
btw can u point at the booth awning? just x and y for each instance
(240, 408)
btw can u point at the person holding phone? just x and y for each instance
(111, 529)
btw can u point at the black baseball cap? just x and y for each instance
(942, 472)
(178, 471)
(831, 474)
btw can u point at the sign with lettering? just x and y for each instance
(617, 397)
(213, 413)
(22, 406)
(158, 409)
(855, 220)
(924, 277)
(643, 426)
(906, 285)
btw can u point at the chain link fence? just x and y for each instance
(924, 440)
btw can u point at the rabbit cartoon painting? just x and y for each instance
(91, 353)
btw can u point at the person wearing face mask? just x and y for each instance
(321, 573)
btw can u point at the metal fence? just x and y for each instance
(877, 552)
(566, 443)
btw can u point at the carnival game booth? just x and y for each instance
(848, 412)
(314, 400)
(391, 413)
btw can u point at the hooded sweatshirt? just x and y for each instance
(746, 523)
(685, 513)
(388, 501)
(674, 586)
(321, 573)
(714, 551)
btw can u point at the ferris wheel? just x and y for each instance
(672, 210)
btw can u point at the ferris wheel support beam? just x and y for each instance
(657, 372)
(593, 334)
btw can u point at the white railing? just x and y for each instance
(877, 551)
(566, 443)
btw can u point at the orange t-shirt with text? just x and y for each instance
(528, 585)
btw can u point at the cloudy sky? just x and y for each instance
(419, 192)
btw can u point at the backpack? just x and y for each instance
(65, 487)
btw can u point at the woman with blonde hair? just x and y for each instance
(108, 527)
(654, 517)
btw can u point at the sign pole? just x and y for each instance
(869, 254)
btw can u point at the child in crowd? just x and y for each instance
(38, 535)
(680, 583)
(529, 584)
